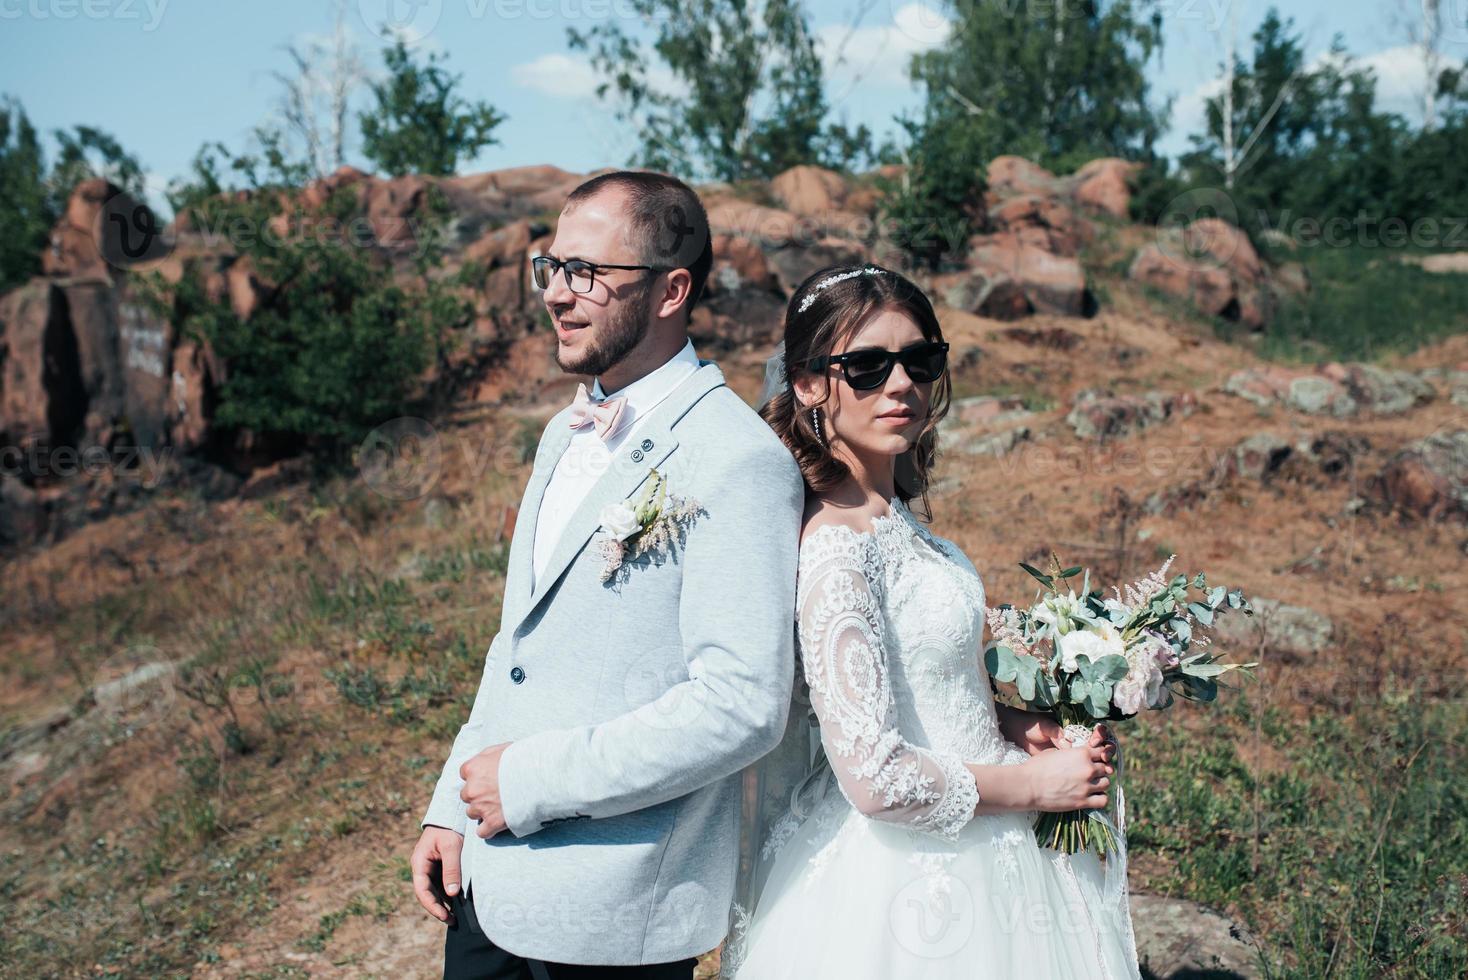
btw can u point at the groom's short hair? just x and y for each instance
(666, 222)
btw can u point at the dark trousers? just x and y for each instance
(468, 954)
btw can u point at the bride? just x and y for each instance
(924, 863)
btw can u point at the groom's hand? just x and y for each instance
(435, 867)
(481, 791)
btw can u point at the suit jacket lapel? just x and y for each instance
(519, 567)
(644, 450)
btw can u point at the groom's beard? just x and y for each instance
(623, 332)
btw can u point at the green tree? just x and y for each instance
(1290, 137)
(418, 123)
(1058, 82)
(26, 208)
(32, 198)
(748, 100)
(338, 343)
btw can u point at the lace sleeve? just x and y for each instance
(841, 642)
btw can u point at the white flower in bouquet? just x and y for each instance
(620, 521)
(1142, 687)
(1101, 640)
(1058, 612)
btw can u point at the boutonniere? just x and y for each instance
(653, 524)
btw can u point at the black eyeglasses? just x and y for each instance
(580, 275)
(870, 367)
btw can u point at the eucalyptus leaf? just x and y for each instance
(1028, 668)
(1202, 612)
(1049, 582)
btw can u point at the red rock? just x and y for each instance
(1105, 185)
(1207, 287)
(807, 190)
(1052, 283)
(768, 226)
(1042, 221)
(738, 264)
(794, 264)
(983, 292)
(1226, 245)
(1010, 175)
(25, 401)
(394, 207)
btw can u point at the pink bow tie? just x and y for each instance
(604, 415)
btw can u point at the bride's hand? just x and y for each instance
(1069, 779)
(1030, 730)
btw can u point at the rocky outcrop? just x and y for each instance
(1427, 479)
(1210, 264)
(1337, 390)
(1293, 633)
(1097, 413)
(1182, 940)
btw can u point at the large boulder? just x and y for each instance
(396, 209)
(1045, 222)
(793, 265)
(983, 292)
(1182, 940)
(771, 227)
(1291, 632)
(1379, 390)
(40, 364)
(1210, 264)
(1105, 185)
(1052, 283)
(1427, 479)
(1098, 413)
(1337, 390)
(807, 190)
(738, 264)
(1010, 175)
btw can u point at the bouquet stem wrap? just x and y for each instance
(1080, 830)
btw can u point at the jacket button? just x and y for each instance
(647, 444)
(517, 674)
(637, 455)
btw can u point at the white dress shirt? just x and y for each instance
(587, 456)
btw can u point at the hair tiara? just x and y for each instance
(810, 297)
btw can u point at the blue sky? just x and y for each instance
(164, 76)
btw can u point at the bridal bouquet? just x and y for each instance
(1088, 657)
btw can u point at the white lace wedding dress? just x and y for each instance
(893, 877)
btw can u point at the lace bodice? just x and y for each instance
(890, 623)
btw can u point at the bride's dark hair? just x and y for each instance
(834, 312)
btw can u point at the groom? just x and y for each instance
(585, 822)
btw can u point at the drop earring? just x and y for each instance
(815, 420)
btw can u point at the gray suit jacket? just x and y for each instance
(633, 706)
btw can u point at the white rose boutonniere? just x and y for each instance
(654, 524)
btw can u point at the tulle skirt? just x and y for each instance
(849, 897)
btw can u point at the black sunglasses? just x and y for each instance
(580, 275)
(870, 367)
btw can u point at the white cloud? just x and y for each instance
(879, 54)
(560, 75)
(1401, 79)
